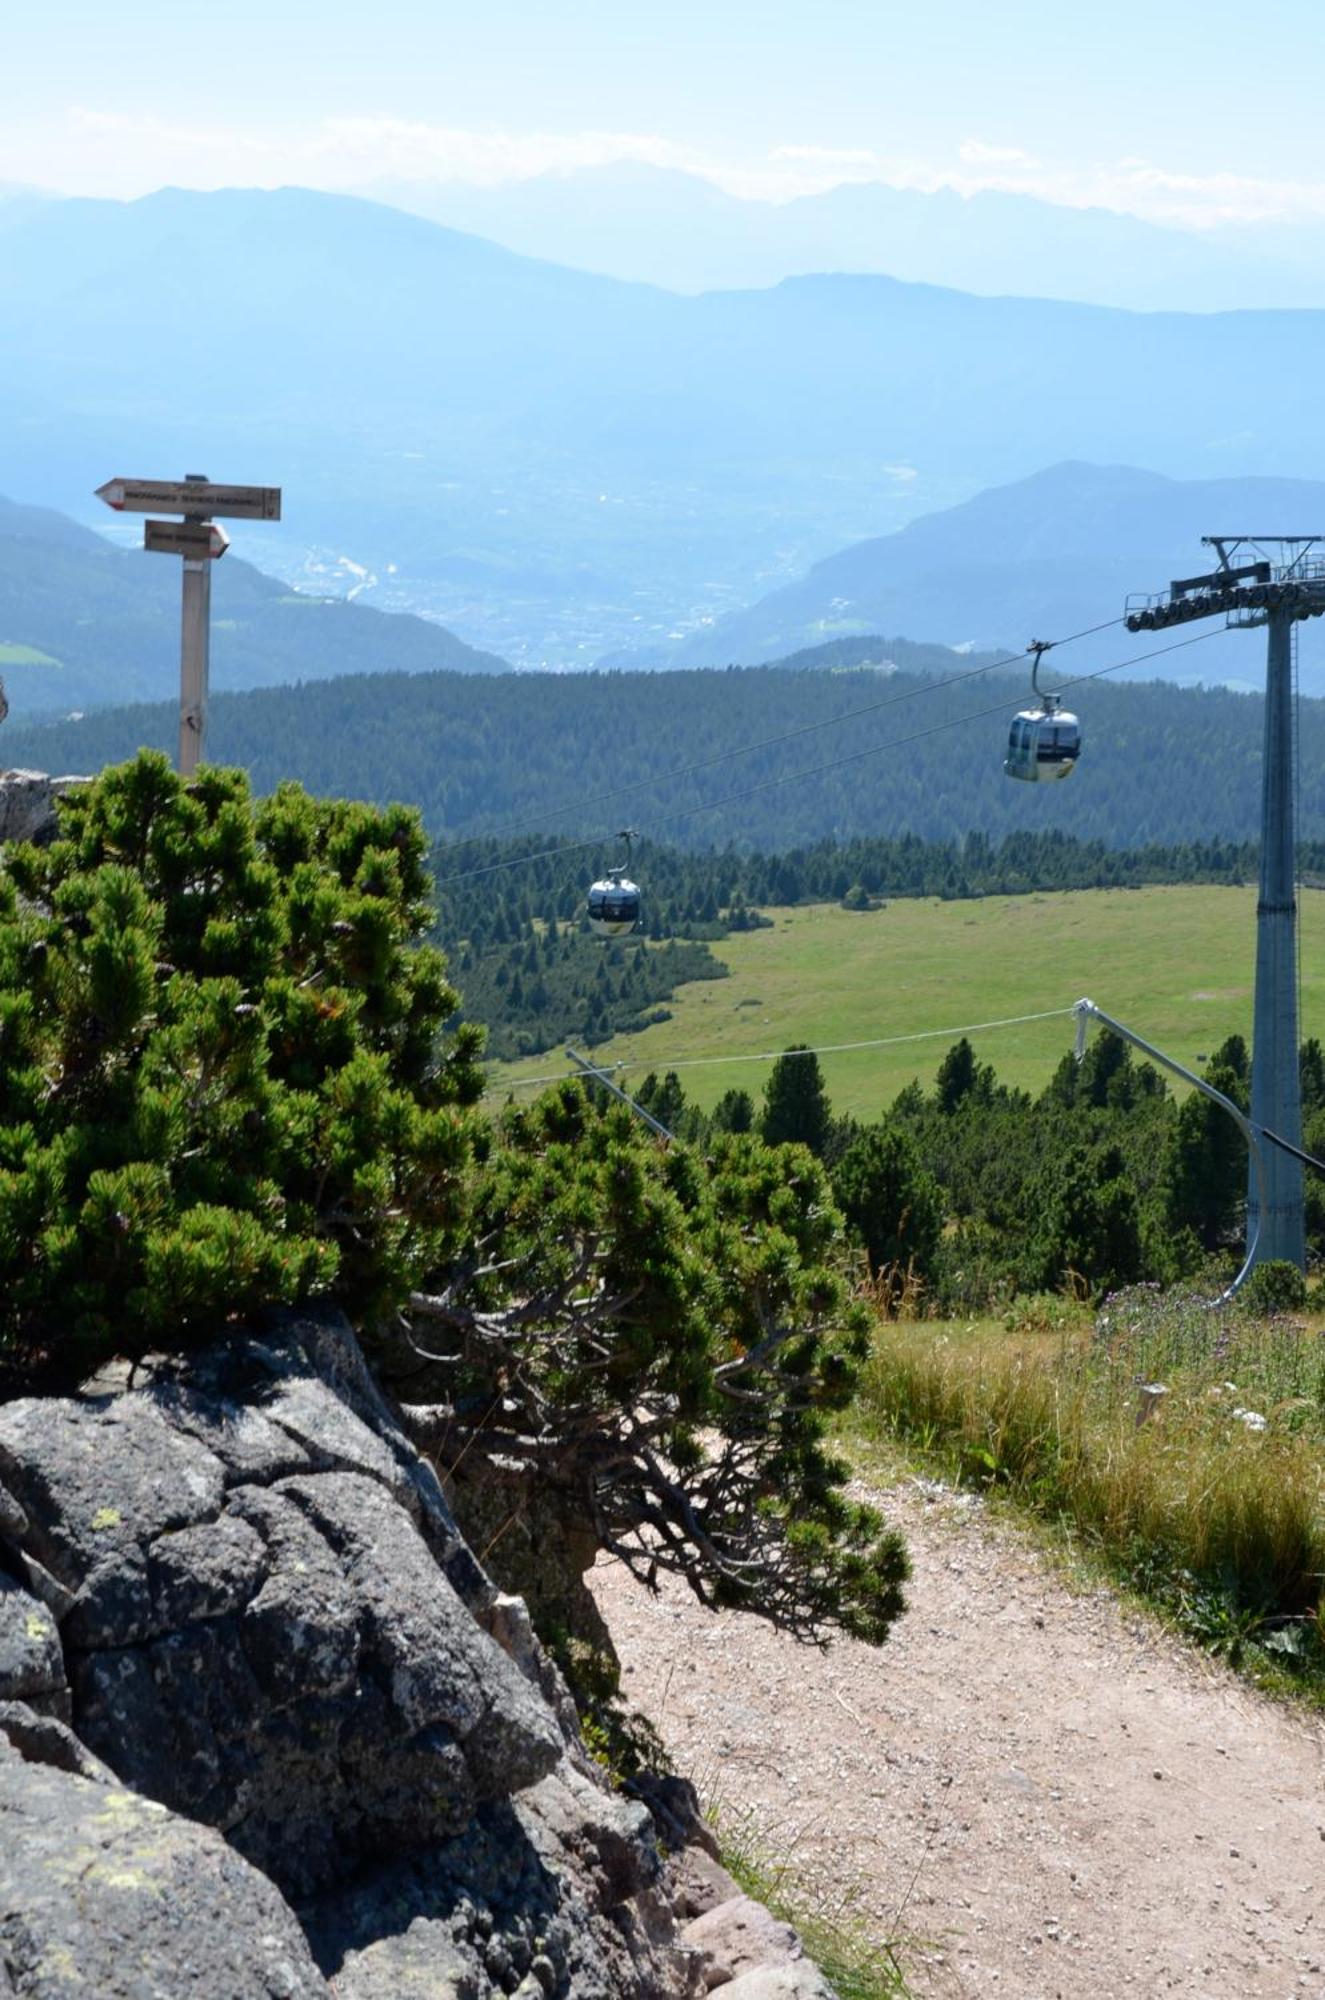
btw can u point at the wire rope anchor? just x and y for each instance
(1086, 1011)
(602, 1075)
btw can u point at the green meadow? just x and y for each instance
(14, 655)
(1175, 964)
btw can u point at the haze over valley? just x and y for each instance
(562, 467)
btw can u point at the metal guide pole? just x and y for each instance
(601, 1076)
(1086, 1010)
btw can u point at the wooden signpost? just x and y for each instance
(199, 542)
(193, 495)
(198, 539)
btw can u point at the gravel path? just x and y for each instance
(1062, 1802)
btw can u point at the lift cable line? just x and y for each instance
(786, 736)
(589, 1069)
(1082, 1011)
(812, 771)
(776, 1055)
(1253, 586)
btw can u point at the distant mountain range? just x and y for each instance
(554, 464)
(663, 227)
(83, 624)
(1040, 558)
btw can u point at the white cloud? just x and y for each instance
(104, 152)
(975, 153)
(343, 151)
(829, 156)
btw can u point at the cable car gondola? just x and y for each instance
(1043, 742)
(614, 903)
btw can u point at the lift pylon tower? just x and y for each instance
(1253, 587)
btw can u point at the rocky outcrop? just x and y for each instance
(265, 1722)
(105, 1892)
(27, 803)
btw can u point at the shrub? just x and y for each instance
(892, 1203)
(221, 1084)
(659, 1341)
(1276, 1286)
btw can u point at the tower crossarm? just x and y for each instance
(1245, 592)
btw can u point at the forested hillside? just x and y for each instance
(679, 756)
(84, 624)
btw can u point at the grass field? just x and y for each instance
(1204, 1495)
(1175, 964)
(14, 655)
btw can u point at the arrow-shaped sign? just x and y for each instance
(198, 539)
(191, 496)
(195, 540)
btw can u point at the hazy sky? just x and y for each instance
(1170, 109)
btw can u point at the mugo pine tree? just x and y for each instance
(225, 1085)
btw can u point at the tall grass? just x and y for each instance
(835, 1938)
(1186, 1444)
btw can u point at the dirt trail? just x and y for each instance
(1078, 1806)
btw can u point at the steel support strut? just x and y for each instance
(1276, 1096)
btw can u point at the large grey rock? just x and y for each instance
(27, 801)
(43, 1739)
(13, 1520)
(699, 1883)
(270, 1623)
(801, 1981)
(337, 1360)
(104, 1893)
(552, 1897)
(99, 1479)
(259, 1635)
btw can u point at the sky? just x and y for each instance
(1173, 110)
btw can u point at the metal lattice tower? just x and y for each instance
(1275, 592)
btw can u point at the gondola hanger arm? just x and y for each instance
(1039, 647)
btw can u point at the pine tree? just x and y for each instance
(796, 1108)
(734, 1112)
(892, 1203)
(221, 1078)
(1090, 1224)
(1205, 1169)
(676, 1411)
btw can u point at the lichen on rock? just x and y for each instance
(270, 1631)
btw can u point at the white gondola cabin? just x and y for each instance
(1044, 742)
(613, 908)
